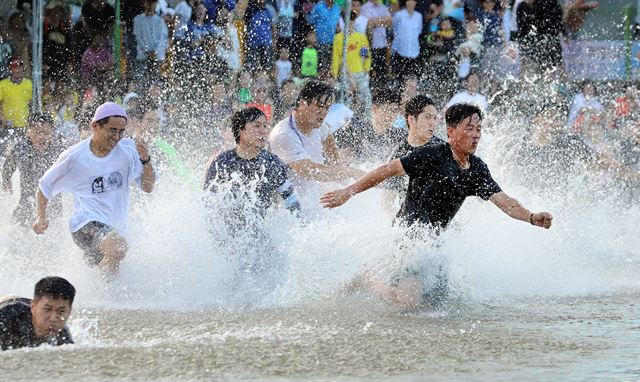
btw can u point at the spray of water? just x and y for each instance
(183, 255)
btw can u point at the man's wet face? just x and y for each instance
(465, 136)
(318, 109)
(49, 315)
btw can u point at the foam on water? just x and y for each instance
(181, 259)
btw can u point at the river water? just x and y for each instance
(526, 303)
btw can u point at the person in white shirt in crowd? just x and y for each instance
(584, 100)
(306, 144)
(470, 94)
(407, 27)
(151, 35)
(183, 12)
(373, 20)
(283, 68)
(97, 172)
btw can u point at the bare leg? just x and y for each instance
(113, 248)
(407, 294)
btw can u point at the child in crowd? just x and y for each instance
(283, 67)
(309, 67)
(244, 88)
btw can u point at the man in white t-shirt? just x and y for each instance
(306, 144)
(97, 171)
(471, 94)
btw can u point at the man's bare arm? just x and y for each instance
(513, 208)
(339, 197)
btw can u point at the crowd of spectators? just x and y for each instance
(197, 61)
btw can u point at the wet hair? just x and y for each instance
(40, 118)
(313, 91)
(56, 288)
(240, 119)
(416, 105)
(460, 111)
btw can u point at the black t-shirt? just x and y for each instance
(438, 186)
(359, 137)
(267, 173)
(16, 327)
(399, 183)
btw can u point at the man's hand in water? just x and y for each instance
(40, 225)
(542, 219)
(335, 198)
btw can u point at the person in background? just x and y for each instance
(324, 18)
(32, 157)
(283, 69)
(407, 27)
(15, 102)
(379, 20)
(309, 64)
(151, 35)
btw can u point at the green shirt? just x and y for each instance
(309, 62)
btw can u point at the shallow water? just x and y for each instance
(527, 304)
(578, 338)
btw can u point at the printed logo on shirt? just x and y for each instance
(100, 185)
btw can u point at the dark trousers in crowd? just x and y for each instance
(325, 53)
(405, 67)
(259, 58)
(379, 68)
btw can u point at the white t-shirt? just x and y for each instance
(100, 186)
(291, 145)
(466, 97)
(284, 71)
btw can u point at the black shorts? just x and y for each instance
(88, 238)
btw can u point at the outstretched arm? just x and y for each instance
(339, 197)
(513, 208)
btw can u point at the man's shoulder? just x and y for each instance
(225, 157)
(477, 162)
(14, 306)
(272, 158)
(280, 129)
(75, 149)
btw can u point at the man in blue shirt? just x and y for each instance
(324, 18)
(260, 31)
(214, 5)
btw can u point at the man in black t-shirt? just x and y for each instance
(422, 118)
(31, 323)
(441, 177)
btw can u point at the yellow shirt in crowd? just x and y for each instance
(357, 44)
(15, 100)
